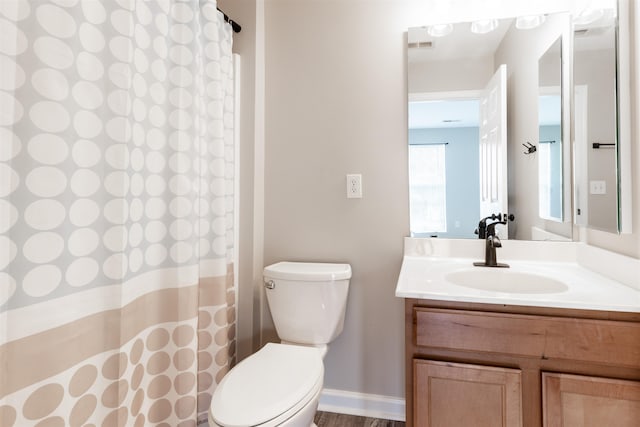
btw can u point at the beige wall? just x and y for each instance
(335, 103)
(596, 69)
(450, 76)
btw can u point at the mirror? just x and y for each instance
(550, 142)
(600, 105)
(474, 96)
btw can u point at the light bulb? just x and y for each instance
(529, 22)
(484, 26)
(440, 30)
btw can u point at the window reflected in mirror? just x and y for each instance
(443, 161)
(428, 188)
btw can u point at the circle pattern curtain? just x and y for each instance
(117, 303)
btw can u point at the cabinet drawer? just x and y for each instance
(529, 336)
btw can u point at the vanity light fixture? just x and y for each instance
(529, 22)
(440, 30)
(484, 26)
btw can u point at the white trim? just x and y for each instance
(362, 404)
(581, 156)
(625, 202)
(236, 177)
(550, 90)
(259, 299)
(448, 95)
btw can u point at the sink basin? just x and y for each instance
(504, 280)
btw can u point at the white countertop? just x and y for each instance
(423, 275)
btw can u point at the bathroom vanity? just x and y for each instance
(489, 356)
(502, 365)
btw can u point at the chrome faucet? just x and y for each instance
(491, 243)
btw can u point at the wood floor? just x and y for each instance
(328, 419)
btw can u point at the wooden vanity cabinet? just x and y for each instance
(480, 365)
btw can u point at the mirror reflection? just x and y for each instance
(474, 97)
(443, 160)
(550, 179)
(595, 132)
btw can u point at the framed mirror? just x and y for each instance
(474, 98)
(601, 117)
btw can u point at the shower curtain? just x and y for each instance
(117, 302)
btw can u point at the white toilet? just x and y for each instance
(280, 385)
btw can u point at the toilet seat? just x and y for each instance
(268, 387)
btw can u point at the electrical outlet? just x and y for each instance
(597, 187)
(354, 186)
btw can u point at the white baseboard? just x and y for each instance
(367, 405)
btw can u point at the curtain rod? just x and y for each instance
(234, 25)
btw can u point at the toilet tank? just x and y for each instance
(307, 300)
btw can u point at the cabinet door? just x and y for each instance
(582, 401)
(454, 395)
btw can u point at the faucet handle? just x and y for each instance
(491, 228)
(481, 231)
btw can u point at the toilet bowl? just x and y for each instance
(280, 385)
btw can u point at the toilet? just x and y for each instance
(280, 384)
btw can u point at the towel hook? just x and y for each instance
(530, 148)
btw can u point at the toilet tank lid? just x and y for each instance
(308, 271)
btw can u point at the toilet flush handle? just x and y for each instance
(270, 284)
